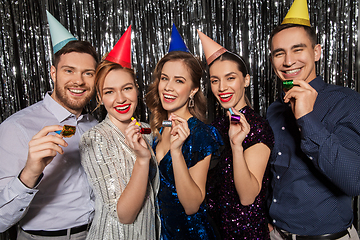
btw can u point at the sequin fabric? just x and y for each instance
(175, 224)
(233, 220)
(108, 163)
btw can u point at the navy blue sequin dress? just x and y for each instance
(233, 220)
(175, 223)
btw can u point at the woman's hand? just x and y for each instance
(136, 142)
(238, 130)
(179, 132)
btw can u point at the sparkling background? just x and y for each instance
(240, 26)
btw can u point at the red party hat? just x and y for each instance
(121, 52)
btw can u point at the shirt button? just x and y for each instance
(30, 193)
(278, 177)
(299, 129)
(21, 209)
(274, 221)
(311, 158)
(279, 153)
(275, 200)
(283, 128)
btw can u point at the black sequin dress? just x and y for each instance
(233, 220)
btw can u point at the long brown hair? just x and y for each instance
(158, 113)
(102, 71)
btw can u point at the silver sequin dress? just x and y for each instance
(108, 163)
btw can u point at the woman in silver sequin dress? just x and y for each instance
(119, 163)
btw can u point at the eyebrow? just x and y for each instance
(107, 88)
(67, 66)
(126, 84)
(86, 70)
(226, 75)
(174, 76)
(293, 47)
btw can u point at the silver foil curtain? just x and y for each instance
(242, 26)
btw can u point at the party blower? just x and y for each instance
(234, 118)
(142, 130)
(67, 131)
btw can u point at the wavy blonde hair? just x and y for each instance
(158, 113)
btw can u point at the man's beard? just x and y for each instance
(73, 104)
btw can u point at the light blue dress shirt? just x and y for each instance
(62, 199)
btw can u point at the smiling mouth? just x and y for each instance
(123, 108)
(77, 91)
(169, 98)
(225, 97)
(292, 71)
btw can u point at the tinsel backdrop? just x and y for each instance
(242, 26)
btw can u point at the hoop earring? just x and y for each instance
(191, 102)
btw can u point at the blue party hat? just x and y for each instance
(60, 36)
(177, 43)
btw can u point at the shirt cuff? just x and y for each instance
(23, 192)
(311, 128)
(36, 184)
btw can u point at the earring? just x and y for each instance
(191, 102)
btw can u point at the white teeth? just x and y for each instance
(122, 108)
(169, 96)
(76, 90)
(292, 71)
(226, 95)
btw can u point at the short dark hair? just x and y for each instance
(311, 32)
(76, 46)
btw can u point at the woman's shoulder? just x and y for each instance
(198, 125)
(94, 130)
(204, 132)
(255, 119)
(260, 130)
(97, 133)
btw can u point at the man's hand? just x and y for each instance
(42, 149)
(302, 98)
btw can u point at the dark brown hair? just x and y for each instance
(241, 65)
(311, 32)
(158, 113)
(76, 46)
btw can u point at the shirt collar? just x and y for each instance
(318, 84)
(57, 110)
